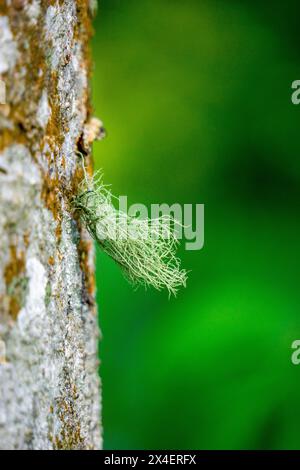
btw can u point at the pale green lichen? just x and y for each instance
(48, 294)
(18, 287)
(144, 248)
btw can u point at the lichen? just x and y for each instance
(48, 293)
(15, 266)
(145, 249)
(17, 292)
(70, 435)
(16, 282)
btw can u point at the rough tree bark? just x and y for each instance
(49, 385)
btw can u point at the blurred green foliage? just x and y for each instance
(196, 97)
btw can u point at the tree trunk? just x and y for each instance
(49, 385)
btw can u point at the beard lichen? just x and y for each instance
(145, 249)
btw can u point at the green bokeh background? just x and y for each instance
(196, 98)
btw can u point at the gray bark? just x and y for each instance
(49, 385)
